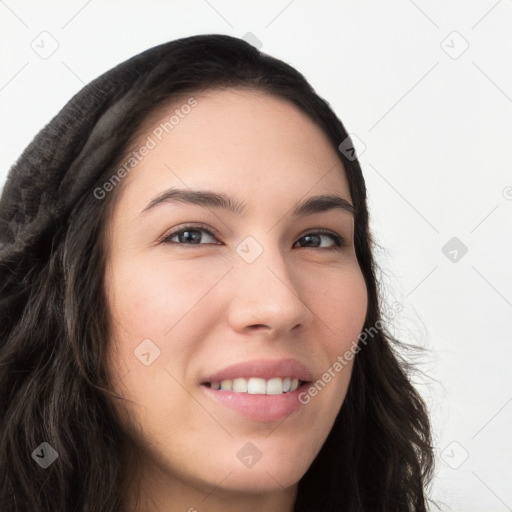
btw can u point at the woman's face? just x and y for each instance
(265, 285)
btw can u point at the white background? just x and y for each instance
(437, 127)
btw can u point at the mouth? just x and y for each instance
(253, 403)
(258, 386)
(262, 390)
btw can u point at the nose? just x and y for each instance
(268, 297)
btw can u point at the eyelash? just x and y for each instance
(338, 240)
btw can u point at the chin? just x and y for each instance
(260, 481)
(272, 474)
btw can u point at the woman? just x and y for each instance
(189, 308)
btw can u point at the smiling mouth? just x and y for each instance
(261, 400)
(257, 386)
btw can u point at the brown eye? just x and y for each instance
(315, 237)
(191, 235)
(187, 235)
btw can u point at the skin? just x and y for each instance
(206, 308)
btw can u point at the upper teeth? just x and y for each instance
(256, 386)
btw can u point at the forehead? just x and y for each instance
(262, 145)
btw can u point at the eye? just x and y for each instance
(314, 236)
(191, 235)
(188, 234)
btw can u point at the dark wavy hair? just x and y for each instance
(54, 322)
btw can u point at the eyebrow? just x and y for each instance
(208, 199)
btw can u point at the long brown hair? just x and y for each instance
(54, 326)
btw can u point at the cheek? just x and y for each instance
(159, 300)
(341, 306)
(155, 334)
(147, 297)
(161, 310)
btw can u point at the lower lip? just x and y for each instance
(259, 407)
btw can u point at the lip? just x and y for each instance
(263, 369)
(261, 408)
